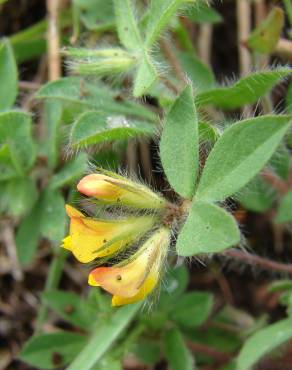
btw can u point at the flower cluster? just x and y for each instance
(130, 251)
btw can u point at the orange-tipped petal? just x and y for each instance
(99, 186)
(91, 281)
(137, 278)
(119, 190)
(122, 281)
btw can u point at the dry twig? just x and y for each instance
(258, 261)
(172, 59)
(54, 58)
(205, 42)
(9, 241)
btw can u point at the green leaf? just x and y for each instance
(176, 351)
(208, 229)
(202, 12)
(18, 196)
(109, 159)
(177, 281)
(52, 215)
(216, 337)
(53, 119)
(108, 363)
(8, 76)
(208, 133)
(289, 99)
(284, 213)
(280, 161)
(145, 77)
(71, 308)
(94, 128)
(96, 15)
(8, 170)
(160, 13)
(52, 351)
(245, 91)
(128, 31)
(192, 309)
(255, 141)
(106, 334)
(266, 36)
(201, 76)
(27, 237)
(70, 172)
(79, 95)
(180, 132)
(30, 43)
(263, 342)
(257, 196)
(15, 131)
(147, 351)
(280, 286)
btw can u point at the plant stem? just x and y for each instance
(104, 337)
(54, 59)
(209, 351)
(9, 241)
(167, 50)
(243, 15)
(54, 276)
(278, 184)
(205, 43)
(183, 35)
(243, 10)
(288, 6)
(264, 263)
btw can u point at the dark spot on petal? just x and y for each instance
(104, 240)
(119, 278)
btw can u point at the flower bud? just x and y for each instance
(119, 190)
(99, 61)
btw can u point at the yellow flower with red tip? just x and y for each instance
(134, 280)
(115, 190)
(94, 239)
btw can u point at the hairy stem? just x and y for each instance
(258, 261)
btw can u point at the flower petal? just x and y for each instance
(67, 244)
(96, 185)
(145, 289)
(92, 238)
(91, 281)
(73, 212)
(126, 281)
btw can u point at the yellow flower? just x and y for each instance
(91, 238)
(113, 189)
(133, 281)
